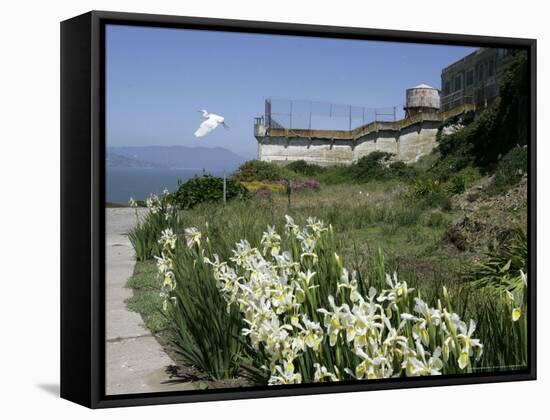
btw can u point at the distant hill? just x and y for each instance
(180, 157)
(115, 160)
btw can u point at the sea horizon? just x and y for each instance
(139, 183)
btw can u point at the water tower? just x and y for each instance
(422, 99)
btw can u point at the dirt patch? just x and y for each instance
(487, 221)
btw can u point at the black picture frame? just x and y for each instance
(83, 200)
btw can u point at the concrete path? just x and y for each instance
(135, 362)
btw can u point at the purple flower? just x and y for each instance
(311, 184)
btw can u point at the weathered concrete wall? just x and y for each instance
(383, 141)
(407, 143)
(416, 141)
(318, 151)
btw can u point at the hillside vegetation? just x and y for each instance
(451, 227)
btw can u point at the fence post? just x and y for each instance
(290, 114)
(224, 188)
(288, 192)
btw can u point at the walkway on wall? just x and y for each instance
(359, 132)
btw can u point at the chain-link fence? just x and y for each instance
(302, 114)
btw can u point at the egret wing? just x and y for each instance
(206, 127)
(218, 118)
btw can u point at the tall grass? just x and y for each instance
(202, 330)
(145, 235)
(497, 287)
(347, 208)
(161, 215)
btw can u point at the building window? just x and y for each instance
(470, 78)
(480, 75)
(447, 87)
(491, 70)
(458, 82)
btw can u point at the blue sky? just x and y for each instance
(157, 78)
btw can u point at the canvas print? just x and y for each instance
(285, 210)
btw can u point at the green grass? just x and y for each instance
(364, 217)
(146, 300)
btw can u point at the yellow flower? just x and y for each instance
(463, 360)
(516, 314)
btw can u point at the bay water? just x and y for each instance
(139, 183)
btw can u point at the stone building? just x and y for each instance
(475, 78)
(407, 138)
(468, 84)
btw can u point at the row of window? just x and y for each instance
(483, 71)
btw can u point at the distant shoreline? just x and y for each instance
(139, 183)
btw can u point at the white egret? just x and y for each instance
(210, 123)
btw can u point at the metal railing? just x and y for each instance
(316, 115)
(477, 96)
(455, 99)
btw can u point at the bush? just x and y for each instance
(258, 170)
(206, 188)
(255, 186)
(431, 191)
(510, 170)
(439, 199)
(422, 187)
(302, 167)
(402, 171)
(373, 167)
(456, 154)
(335, 175)
(306, 184)
(463, 180)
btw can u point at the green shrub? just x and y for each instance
(373, 167)
(335, 175)
(463, 180)
(510, 170)
(258, 170)
(439, 199)
(206, 188)
(422, 187)
(427, 162)
(401, 170)
(431, 191)
(457, 157)
(302, 167)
